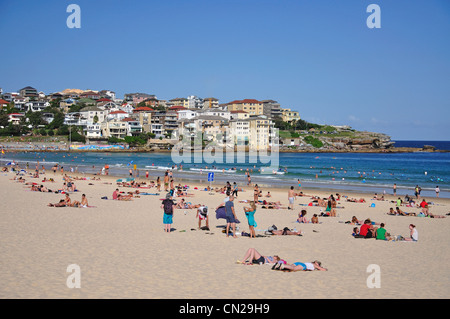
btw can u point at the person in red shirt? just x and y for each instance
(367, 230)
(424, 206)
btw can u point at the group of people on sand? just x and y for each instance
(253, 257)
(68, 186)
(67, 202)
(368, 230)
(304, 220)
(424, 206)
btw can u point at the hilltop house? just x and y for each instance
(251, 106)
(29, 92)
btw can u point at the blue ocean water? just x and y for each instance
(365, 172)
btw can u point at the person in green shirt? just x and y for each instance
(381, 233)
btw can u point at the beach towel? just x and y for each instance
(220, 213)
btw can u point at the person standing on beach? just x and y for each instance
(235, 189)
(417, 190)
(167, 205)
(291, 197)
(230, 216)
(256, 193)
(172, 187)
(437, 191)
(166, 181)
(250, 214)
(158, 184)
(395, 189)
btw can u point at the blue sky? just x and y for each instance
(317, 57)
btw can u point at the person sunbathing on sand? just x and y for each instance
(118, 196)
(186, 205)
(252, 256)
(181, 193)
(402, 213)
(285, 231)
(299, 266)
(62, 203)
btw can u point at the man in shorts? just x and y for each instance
(167, 205)
(202, 214)
(291, 197)
(230, 216)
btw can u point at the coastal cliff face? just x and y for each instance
(365, 140)
(360, 141)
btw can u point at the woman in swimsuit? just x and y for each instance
(299, 266)
(256, 258)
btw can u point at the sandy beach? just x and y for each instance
(123, 251)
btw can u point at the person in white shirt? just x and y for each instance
(202, 214)
(414, 234)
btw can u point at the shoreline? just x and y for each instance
(147, 150)
(266, 180)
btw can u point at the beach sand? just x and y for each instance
(123, 252)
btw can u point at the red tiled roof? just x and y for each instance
(177, 107)
(3, 101)
(142, 108)
(118, 112)
(104, 100)
(245, 101)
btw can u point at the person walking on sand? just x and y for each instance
(291, 197)
(167, 205)
(437, 191)
(230, 216)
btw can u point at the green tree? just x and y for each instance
(35, 118)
